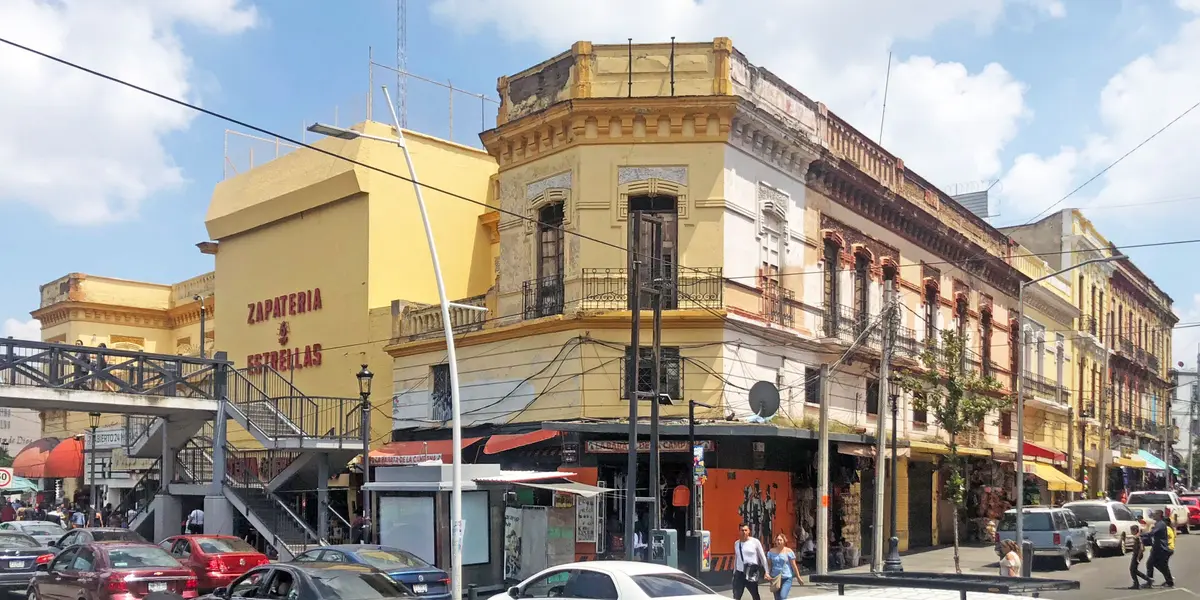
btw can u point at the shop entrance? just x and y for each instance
(674, 469)
(868, 510)
(920, 505)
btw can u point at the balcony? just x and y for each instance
(543, 297)
(906, 343)
(691, 288)
(847, 326)
(777, 304)
(1125, 419)
(1087, 323)
(1152, 362)
(1043, 387)
(1125, 346)
(1088, 410)
(1140, 356)
(424, 321)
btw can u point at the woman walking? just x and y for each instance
(782, 561)
(1010, 563)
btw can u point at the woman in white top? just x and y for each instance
(1010, 563)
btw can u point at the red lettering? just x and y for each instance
(292, 303)
(316, 353)
(258, 312)
(316, 303)
(280, 311)
(302, 302)
(250, 317)
(250, 362)
(285, 359)
(308, 356)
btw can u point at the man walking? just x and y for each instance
(195, 522)
(1135, 561)
(1162, 546)
(750, 565)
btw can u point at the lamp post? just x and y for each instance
(457, 525)
(365, 376)
(200, 298)
(891, 564)
(94, 422)
(1020, 508)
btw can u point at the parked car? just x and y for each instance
(1168, 502)
(1193, 506)
(45, 532)
(111, 571)
(87, 535)
(216, 560)
(20, 556)
(1055, 532)
(313, 581)
(1111, 523)
(610, 579)
(424, 579)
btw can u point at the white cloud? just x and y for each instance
(23, 330)
(81, 148)
(947, 123)
(1184, 342)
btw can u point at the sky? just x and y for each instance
(1041, 95)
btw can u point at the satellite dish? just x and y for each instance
(764, 399)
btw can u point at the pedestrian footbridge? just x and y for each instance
(179, 411)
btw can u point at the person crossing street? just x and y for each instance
(1162, 546)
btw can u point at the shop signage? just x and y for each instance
(121, 461)
(287, 359)
(287, 305)
(107, 438)
(394, 460)
(261, 467)
(570, 453)
(615, 447)
(699, 472)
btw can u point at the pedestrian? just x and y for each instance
(1135, 561)
(782, 561)
(358, 528)
(7, 513)
(1010, 563)
(1162, 546)
(750, 559)
(78, 518)
(195, 522)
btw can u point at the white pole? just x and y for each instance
(456, 522)
(1021, 366)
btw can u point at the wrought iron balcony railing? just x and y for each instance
(848, 326)
(1087, 323)
(1125, 345)
(1152, 362)
(688, 288)
(1124, 419)
(543, 297)
(1040, 386)
(777, 303)
(907, 344)
(1140, 356)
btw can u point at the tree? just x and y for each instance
(958, 399)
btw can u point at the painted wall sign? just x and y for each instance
(290, 304)
(615, 447)
(286, 359)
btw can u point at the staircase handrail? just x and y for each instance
(262, 486)
(130, 499)
(240, 374)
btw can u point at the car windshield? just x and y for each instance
(222, 545)
(1034, 521)
(12, 541)
(386, 560)
(332, 585)
(1149, 499)
(117, 536)
(137, 557)
(41, 528)
(669, 585)
(1089, 512)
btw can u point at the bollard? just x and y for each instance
(1026, 558)
(472, 593)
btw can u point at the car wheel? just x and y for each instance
(31, 594)
(1089, 552)
(1066, 560)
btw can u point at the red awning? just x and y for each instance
(1033, 450)
(31, 460)
(411, 453)
(500, 443)
(66, 459)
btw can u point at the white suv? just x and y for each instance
(1112, 522)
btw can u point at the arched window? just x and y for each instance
(931, 312)
(862, 291)
(830, 280)
(985, 341)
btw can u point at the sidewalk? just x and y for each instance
(974, 559)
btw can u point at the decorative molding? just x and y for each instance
(652, 181)
(762, 137)
(677, 175)
(849, 238)
(535, 189)
(774, 201)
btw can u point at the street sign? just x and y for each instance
(6, 477)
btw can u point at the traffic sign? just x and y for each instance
(6, 477)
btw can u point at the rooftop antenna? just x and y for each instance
(402, 59)
(672, 65)
(887, 81)
(630, 92)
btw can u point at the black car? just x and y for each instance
(87, 535)
(313, 581)
(20, 556)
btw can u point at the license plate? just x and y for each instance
(16, 564)
(420, 588)
(158, 586)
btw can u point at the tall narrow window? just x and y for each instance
(671, 382)
(1092, 325)
(812, 386)
(440, 400)
(830, 280)
(985, 341)
(661, 208)
(862, 291)
(549, 286)
(772, 254)
(919, 417)
(1100, 315)
(931, 312)
(960, 315)
(873, 397)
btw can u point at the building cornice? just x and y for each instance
(92, 312)
(566, 124)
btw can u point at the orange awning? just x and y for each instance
(31, 460)
(500, 443)
(66, 459)
(411, 453)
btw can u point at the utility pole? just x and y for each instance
(822, 533)
(631, 380)
(1191, 431)
(885, 357)
(658, 274)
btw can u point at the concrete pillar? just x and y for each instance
(168, 517)
(323, 496)
(218, 515)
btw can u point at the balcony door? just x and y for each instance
(549, 289)
(647, 213)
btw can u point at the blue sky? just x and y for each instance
(1041, 94)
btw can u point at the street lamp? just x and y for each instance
(1020, 509)
(457, 525)
(200, 298)
(891, 564)
(365, 376)
(94, 422)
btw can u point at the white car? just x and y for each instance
(1112, 523)
(610, 579)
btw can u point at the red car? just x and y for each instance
(216, 560)
(111, 571)
(1193, 507)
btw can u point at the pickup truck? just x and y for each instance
(1168, 502)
